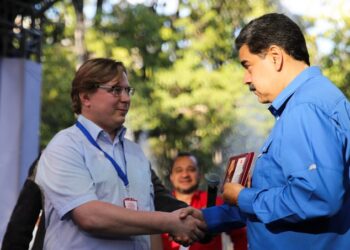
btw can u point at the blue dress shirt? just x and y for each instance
(300, 185)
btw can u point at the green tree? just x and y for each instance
(63, 49)
(191, 97)
(58, 69)
(188, 82)
(336, 64)
(56, 112)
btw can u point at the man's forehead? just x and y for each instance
(186, 158)
(120, 80)
(185, 161)
(244, 52)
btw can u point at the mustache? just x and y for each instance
(252, 87)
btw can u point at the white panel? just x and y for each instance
(30, 118)
(20, 82)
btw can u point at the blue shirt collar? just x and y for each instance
(95, 130)
(278, 105)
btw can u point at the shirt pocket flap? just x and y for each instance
(265, 148)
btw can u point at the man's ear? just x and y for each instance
(276, 55)
(84, 99)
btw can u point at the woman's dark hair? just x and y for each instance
(274, 29)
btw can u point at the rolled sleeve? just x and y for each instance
(65, 182)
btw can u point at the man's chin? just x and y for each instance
(119, 121)
(263, 101)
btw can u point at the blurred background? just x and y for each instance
(180, 58)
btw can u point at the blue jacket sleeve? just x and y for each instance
(223, 218)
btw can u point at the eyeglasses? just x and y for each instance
(117, 90)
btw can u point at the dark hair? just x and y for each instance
(92, 73)
(182, 154)
(274, 29)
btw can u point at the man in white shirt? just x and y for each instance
(97, 184)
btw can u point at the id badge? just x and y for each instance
(130, 203)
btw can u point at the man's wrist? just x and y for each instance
(245, 200)
(237, 198)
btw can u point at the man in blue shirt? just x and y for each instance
(300, 193)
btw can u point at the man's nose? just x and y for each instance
(247, 78)
(185, 173)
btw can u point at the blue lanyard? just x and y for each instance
(120, 172)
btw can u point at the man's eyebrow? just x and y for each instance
(116, 84)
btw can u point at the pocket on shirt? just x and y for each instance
(99, 168)
(262, 166)
(270, 172)
(104, 177)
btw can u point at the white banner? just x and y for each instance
(20, 91)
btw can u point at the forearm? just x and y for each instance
(107, 220)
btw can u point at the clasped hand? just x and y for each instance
(190, 226)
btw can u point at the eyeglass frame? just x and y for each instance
(117, 90)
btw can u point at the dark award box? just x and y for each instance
(238, 168)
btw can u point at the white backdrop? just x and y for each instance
(20, 88)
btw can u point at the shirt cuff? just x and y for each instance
(245, 200)
(222, 218)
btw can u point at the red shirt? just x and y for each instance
(238, 236)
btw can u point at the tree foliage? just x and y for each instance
(189, 91)
(182, 66)
(58, 69)
(337, 64)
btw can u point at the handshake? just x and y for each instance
(188, 226)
